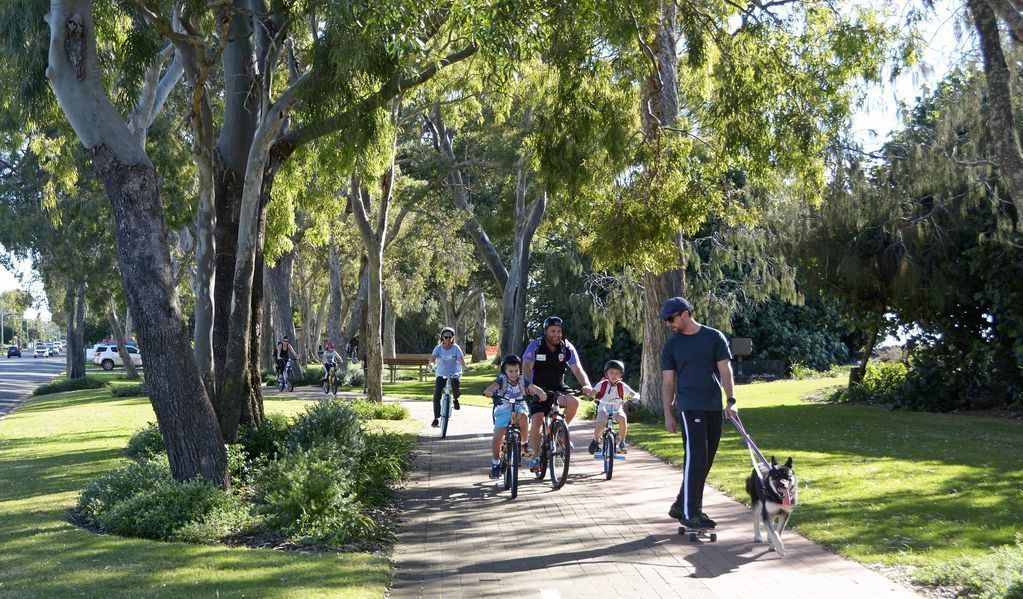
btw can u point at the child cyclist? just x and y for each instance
(611, 393)
(331, 360)
(509, 385)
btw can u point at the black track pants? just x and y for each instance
(438, 390)
(701, 434)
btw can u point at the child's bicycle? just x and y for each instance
(445, 405)
(331, 382)
(609, 440)
(511, 448)
(555, 447)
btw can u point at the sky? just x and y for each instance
(945, 45)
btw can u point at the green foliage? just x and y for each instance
(269, 376)
(354, 377)
(146, 443)
(102, 493)
(387, 457)
(87, 382)
(309, 496)
(995, 575)
(332, 425)
(879, 382)
(369, 410)
(268, 440)
(133, 390)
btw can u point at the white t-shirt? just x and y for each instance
(612, 396)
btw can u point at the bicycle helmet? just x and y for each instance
(552, 321)
(447, 330)
(510, 360)
(614, 364)
(330, 345)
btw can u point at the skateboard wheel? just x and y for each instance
(692, 537)
(713, 537)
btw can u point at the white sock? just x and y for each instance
(494, 462)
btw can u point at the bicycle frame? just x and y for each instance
(511, 453)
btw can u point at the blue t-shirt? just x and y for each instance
(694, 358)
(447, 360)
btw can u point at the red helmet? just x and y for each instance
(330, 345)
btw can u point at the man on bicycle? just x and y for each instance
(543, 364)
(282, 352)
(449, 359)
(331, 360)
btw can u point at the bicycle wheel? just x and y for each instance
(281, 381)
(513, 466)
(333, 383)
(291, 384)
(506, 466)
(445, 415)
(561, 453)
(609, 456)
(326, 385)
(544, 454)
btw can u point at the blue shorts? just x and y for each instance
(503, 414)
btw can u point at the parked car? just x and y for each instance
(41, 351)
(107, 356)
(54, 348)
(13, 352)
(90, 353)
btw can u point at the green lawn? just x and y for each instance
(904, 488)
(53, 444)
(472, 385)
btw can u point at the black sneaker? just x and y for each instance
(706, 521)
(693, 523)
(457, 407)
(594, 446)
(495, 470)
(676, 512)
(435, 423)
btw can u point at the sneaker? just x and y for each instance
(676, 512)
(571, 445)
(457, 407)
(534, 465)
(622, 448)
(593, 446)
(495, 471)
(527, 450)
(692, 523)
(435, 423)
(706, 521)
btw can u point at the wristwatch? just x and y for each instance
(731, 401)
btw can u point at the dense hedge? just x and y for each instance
(86, 382)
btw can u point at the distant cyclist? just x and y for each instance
(449, 359)
(331, 360)
(543, 364)
(282, 352)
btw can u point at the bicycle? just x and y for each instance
(609, 439)
(511, 448)
(284, 378)
(330, 384)
(445, 406)
(555, 446)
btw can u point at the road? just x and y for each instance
(19, 376)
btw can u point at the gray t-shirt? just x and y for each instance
(694, 358)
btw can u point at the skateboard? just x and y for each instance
(696, 534)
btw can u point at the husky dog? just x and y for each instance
(773, 500)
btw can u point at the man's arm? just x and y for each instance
(580, 375)
(537, 391)
(667, 397)
(725, 370)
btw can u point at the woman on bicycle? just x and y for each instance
(449, 360)
(282, 353)
(610, 393)
(509, 385)
(331, 359)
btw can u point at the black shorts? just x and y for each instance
(544, 407)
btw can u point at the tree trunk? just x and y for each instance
(266, 336)
(656, 289)
(119, 337)
(388, 328)
(183, 412)
(279, 279)
(527, 219)
(856, 374)
(202, 288)
(357, 317)
(479, 338)
(252, 408)
(1001, 122)
(75, 303)
(335, 331)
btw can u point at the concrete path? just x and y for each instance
(19, 376)
(462, 537)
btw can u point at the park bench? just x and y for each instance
(417, 362)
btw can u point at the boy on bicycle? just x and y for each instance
(509, 385)
(611, 393)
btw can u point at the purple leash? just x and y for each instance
(751, 446)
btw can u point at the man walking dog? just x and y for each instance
(695, 365)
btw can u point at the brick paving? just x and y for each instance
(464, 537)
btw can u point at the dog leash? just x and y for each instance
(751, 446)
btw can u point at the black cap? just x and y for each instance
(673, 306)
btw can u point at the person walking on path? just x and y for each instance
(449, 360)
(695, 365)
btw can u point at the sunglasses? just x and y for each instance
(446, 337)
(672, 318)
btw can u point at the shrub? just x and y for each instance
(268, 440)
(194, 511)
(331, 425)
(102, 493)
(146, 443)
(86, 382)
(134, 390)
(387, 457)
(354, 377)
(308, 496)
(311, 375)
(996, 575)
(269, 376)
(880, 380)
(368, 410)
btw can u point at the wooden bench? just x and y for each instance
(416, 362)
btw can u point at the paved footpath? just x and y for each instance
(462, 537)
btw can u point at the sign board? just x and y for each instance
(741, 347)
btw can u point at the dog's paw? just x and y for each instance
(757, 540)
